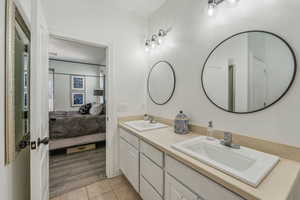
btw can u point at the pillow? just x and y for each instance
(96, 109)
(103, 109)
(85, 109)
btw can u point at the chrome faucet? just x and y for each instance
(227, 141)
(151, 119)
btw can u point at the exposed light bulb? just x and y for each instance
(161, 35)
(160, 40)
(147, 46)
(154, 41)
(153, 45)
(211, 10)
(147, 49)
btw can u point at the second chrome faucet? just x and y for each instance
(227, 141)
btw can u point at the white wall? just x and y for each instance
(278, 55)
(68, 50)
(101, 22)
(62, 83)
(14, 181)
(194, 35)
(215, 75)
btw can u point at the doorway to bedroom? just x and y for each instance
(77, 114)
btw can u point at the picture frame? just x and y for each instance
(78, 82)
(77, 99)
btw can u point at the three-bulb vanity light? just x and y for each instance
(212, 4)
(156, 40)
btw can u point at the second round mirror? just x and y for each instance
(161, 82)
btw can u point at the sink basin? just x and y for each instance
(248, 165)
(142, 125)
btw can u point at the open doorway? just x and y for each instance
(77, 114)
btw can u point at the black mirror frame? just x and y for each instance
(283, 94)
(174, 86)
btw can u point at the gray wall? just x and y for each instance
(62, 83)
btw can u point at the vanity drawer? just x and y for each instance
(152, 173)
(151, 152)
(147, 192)
(204, 187)
(130, 138)
(176, 190)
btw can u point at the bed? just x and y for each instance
(64, 125)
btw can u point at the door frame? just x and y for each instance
(112, 166)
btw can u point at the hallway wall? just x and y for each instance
(102, 22)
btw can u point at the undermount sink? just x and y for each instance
(248, 165)
(142, 125)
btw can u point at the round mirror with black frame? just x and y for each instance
(249, 72)
(161, 82)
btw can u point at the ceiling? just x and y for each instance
(140, 7)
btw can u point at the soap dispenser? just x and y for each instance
(210, 131)
(181, 123)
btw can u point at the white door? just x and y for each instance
(258, 84)
(177, 191)
(39, 105)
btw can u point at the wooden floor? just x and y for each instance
(70, 172)
(108, 189)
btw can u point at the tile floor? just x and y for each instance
(117, 188)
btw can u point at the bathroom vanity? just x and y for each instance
(159, 172)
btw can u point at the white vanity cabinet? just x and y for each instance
(157, 176)
(151, 166)
(177, 191)
(129, 160)
(151, 172)
(202, 186)
(147, 191)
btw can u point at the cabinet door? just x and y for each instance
(177, 191)
(147, 192)
(129, 163)
(152, 173)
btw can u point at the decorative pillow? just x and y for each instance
(103, 109)
(85, 109)
(96, 109)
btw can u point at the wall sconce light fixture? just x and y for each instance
(156, 39)
(212, 4)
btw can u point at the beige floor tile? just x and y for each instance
(126, 192)
(80, 194)
(117, 182)
(98, 188)
(105, 196)
(117, 188)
